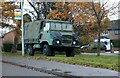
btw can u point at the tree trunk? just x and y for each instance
(14, 47)
(98, 49)
(16, 39)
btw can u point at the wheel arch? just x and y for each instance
(43, 43)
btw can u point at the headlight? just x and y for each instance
(58, 42)
(74, 42)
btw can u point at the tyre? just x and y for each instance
(67, 54)
(70, 53)
(25, 48)
(30, 50)
(47, 50)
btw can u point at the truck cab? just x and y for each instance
(50, 36)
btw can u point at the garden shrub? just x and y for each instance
(116, 43)
(7, 46)
(19, 46)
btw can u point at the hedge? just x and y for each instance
(116, 43)
(7, 46)
(19, 46)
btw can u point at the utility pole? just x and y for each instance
(22, 2)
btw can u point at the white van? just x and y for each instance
(107, 42)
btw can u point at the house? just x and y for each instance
(113, 32)
(8, 37)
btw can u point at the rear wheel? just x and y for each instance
(25, 48)
(47, 50)
(30, 50)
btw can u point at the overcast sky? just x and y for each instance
(110, 3)
(113, 17)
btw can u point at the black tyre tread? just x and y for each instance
(70, 53)
(67, 53)
(31, 50)
(48, 53)
(25, 48)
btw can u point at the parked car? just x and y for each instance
(93, 45)
(105, 44)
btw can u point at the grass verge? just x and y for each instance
(108, 62)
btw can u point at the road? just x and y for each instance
(60, 68)
(12, 70)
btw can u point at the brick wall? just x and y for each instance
(9, 37)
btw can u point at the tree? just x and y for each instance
(8, 13)
(101, 13)
(89, 18)
(42, 9)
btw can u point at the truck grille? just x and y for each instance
(66, 37)
(67, 40)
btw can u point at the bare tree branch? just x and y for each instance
(33, 7)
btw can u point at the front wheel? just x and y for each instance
(47, 50)
(70, 53)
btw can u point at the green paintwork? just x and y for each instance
(46, 38)
(33, 30)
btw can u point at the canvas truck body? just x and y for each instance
(49, 36)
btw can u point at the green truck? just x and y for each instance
(50, 36)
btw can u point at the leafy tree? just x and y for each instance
(8, 10)
(89, 18)
(101, 11)
(8, 13)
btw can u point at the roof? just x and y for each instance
(48, 20)
(8, 32)
(115, 24)
(11, 32)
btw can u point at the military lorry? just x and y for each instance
(50, 36)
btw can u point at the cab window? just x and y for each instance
(47, 27)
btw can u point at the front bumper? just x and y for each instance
(66, 43)
(66, 46)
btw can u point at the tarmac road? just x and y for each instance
(12, 70)
(57, 68)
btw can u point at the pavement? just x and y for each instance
(60, 69)
(115, 53)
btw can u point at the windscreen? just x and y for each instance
(56, 26)
(67, 27)
(61, 26)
